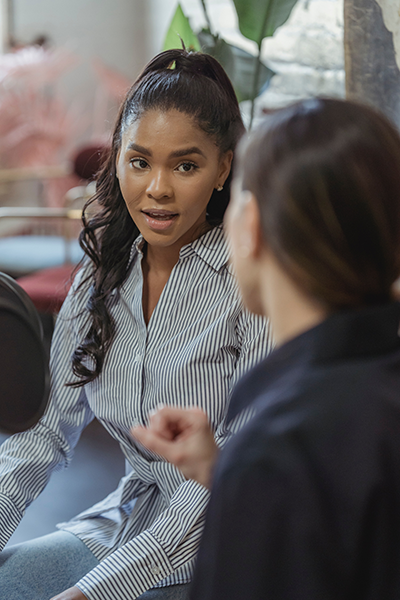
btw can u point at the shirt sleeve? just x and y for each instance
(255, 342)
(28, 459)
(173, 539)
(171, 542)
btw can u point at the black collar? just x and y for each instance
(348, 334)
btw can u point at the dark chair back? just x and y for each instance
(24, 371)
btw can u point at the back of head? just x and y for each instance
(326, 174)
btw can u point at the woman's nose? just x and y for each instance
(159, 185)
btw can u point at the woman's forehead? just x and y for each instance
(157, 128)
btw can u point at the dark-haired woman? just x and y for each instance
(154, 317)
(306, 497)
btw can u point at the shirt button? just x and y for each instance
(135, 423)
(155, 570)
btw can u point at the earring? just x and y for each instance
(219, 188)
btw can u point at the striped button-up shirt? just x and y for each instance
(198, 343)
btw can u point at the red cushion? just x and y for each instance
(48, 287)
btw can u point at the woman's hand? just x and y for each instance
(72, 593)
(184, 438)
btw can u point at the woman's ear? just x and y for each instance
(225, 165)
(243, 223)
(248, 225)
(243, 226)
(252, 221)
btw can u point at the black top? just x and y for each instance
(306, 498)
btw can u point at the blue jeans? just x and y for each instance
(44, 567)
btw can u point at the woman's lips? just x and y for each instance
(159, 220)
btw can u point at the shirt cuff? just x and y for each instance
(129, 572)
(10, 517)
(154, 554)
(180, 520)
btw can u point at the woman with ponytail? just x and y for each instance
(154, 317)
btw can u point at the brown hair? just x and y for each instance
(326, 174)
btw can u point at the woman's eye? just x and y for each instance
(139, 163)
(186, 167)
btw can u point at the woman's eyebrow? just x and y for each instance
(176, 154)
(137, 148)
(186, 151)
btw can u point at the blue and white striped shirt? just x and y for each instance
(198, 343)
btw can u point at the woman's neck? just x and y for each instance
(290, 310)
(160, 259)
(164, 258)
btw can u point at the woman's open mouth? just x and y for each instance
(159, 220)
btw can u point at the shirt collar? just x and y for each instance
(352, 334)
(210, 247)
(136, 248)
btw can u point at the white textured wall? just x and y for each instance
(307, 53)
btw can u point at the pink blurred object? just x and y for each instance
(112, 81)
(86, 161)
(35, 66)
(109, 94)
(36, 129)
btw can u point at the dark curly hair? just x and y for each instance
(190, 82)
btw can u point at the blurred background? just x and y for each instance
(122, 35)
(66, 66)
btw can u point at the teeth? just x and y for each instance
(163, 217)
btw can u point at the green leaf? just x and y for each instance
(260, 18)
(180, 29)
(239, 65)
